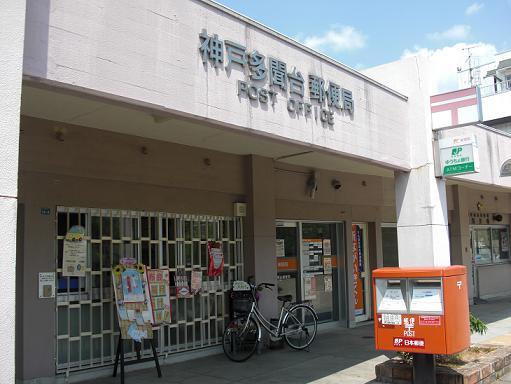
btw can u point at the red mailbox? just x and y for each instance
(421, 310)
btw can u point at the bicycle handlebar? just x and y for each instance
(251, 281)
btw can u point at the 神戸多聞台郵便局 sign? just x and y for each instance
(281, 80)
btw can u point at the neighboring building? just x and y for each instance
(493, 80)
(147, 123)
(481, 226)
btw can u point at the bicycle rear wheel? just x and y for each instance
(240, 339)
(300, 326)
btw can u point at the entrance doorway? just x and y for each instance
(308, 255)
(490, 247)
(361, 272)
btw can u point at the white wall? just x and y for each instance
(11, 59)
(421, 202)
(147, 52)
(496, 106)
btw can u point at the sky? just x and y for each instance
(367, 33)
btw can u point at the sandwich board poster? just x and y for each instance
(216, 258)
(74, 256)
(159, 294)
(134, 311)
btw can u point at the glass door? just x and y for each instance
(307, 258)
(319, 268)
(287, 248)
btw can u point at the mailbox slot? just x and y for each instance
(391, 296)
(425, 296)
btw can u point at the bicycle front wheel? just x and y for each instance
(240, 339)
(300, 326)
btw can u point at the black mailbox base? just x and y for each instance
(424, 369)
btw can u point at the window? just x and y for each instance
(490, 244)
(508, 82)
(389, 245)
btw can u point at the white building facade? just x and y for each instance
(147, 123)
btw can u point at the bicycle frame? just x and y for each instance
(274, 330)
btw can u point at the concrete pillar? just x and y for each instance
(422, 219)
(460, 235)
(11, 62)
(260, 229)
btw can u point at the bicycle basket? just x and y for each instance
(241, 301)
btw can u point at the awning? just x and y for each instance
(504, 64)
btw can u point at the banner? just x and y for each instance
(358, 283)
(216, 258)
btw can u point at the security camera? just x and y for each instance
(497, 217)
(336, 184)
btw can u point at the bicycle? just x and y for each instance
(297, 324)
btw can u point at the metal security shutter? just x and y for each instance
(86, 323)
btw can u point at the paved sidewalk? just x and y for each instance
(497, 315)
(344, 356)
(336, 356)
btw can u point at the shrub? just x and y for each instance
(477, 325)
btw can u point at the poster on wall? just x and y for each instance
(280, 249)
(181, 282)
(327, 247)
(74, 255)
(216, 258)
(196, 285)
(504, 241)
(358, 283)
(312, 250)
(327, 265)
(46, 285)
(159, 294)
(309, 287)
(135, 314)
(328, 283)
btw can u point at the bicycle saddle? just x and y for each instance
(285, 298)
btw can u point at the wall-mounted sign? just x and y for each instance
(46, 285)
(459, 155)
(505, 170)
(260, 70)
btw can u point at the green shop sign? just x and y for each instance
(459, 155)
